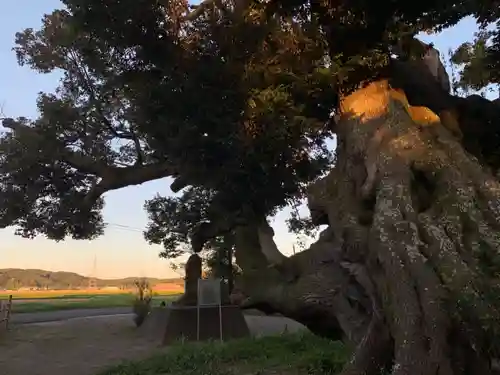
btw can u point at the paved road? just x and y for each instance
(53, 316)
(58, 315)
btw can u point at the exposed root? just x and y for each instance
(323, 296)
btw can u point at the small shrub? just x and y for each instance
(142, 301)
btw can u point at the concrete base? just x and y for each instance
(169, 324)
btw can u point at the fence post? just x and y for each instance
(5, 308)
(7, 315)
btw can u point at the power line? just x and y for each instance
(124, 227)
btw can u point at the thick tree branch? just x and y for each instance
(179, 184)
(321, 294)
(205, 231)
(114, 178)
(267, 244)
(420, 85)
(474, 118)
(422, 89)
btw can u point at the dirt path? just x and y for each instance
(83, 346)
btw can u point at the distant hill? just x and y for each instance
(14, 278)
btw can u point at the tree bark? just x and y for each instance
(230, 271)
(306, 287)
(410, 265)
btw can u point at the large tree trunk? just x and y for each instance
(409, 268)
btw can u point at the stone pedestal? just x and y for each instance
(173, 323)
(178, 321)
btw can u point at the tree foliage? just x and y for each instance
(173, 219)
(235, 101)
(479, 60)
(230, 102)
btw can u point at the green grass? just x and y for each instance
(43, 298)
(85, 301)
(273, 355)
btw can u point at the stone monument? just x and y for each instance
(179, 321)
(192, 274)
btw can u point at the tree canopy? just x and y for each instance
(237, 105)
(233, 99)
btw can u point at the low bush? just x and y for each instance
(142, 301)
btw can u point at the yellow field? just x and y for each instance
(68, 293)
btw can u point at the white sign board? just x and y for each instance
(209, 292)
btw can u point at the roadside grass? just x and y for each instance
(83, 301)
(286, 354)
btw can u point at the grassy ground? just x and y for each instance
(51, 302)
(288, 354)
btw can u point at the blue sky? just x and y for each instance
(122, 251)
